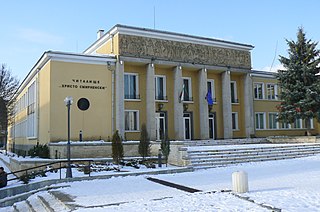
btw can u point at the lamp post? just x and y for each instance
(68, 101)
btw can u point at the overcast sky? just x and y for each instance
(29, 28)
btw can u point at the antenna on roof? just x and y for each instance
(154, 17)
(274, 57)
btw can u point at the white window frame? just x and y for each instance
(282, 124)
(164, 87)
(264, 120)
(137, 85)
(32, 122)
(299, 121)
(269, 121)
(190, 88)
(236, 100)
(275, 88)
(255, 90)
(213, 91)
(137, 121)
(235, 114)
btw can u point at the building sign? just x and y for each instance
(144, 47)
(84, 84)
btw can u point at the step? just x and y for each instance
(225, 163)
(51, 202)
(34, 204)
(254, 149)
(244, 154)
(248, 158)
(241, 151)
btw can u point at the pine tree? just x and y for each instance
(144, 144)
(300, 87)
(117, 148)
(165, 148)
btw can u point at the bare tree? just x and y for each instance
(8, 87)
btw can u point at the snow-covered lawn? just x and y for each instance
(290, 185)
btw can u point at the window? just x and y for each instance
(272, 91)
(187, 89)
(310, 122)
(234, 97)
(160, 88)
(31, 118)
(273, 123)
(297, 123)
(285, 125)
(235, 125)
(131, 86)
(210, 86)
(260, 121)
(258, 91)
(131, 120)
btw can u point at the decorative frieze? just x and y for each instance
(144, 47)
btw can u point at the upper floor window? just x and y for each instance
(131, 86)
(258, 91)
(160, 88)
(272, 91)
(234, 96)
(210, 89)
(187, 89)
(31, 118)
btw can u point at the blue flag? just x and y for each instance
(209, 97)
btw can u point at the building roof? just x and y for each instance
(160, 34)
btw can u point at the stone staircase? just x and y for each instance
(210, 157)
(44, 201)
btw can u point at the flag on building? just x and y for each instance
(209, 97)
(181, 95)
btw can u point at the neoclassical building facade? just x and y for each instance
(180, 86)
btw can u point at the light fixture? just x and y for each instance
(160, 106)
(68, 102)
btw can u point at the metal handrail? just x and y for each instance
(48, 170)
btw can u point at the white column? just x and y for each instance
(226, 105)
(177, 105)
(150, 101)
(119, 98)
(203, 105)
(248, 105)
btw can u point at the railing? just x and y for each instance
(37, 169)
(130, 96)
(161, 97)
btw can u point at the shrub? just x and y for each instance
(117, 148)
(144, 144)
(39, 150)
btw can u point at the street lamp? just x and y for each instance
(68, 101)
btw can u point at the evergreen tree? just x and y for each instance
(117, 148)
(8, 87)
(300, 87)
(144, 144)
(165, 148)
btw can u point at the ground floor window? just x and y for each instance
(273, 123)
(235, 125)
(260, 121)
(131, 120)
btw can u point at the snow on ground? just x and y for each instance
(291, 185)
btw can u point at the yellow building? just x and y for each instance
(132, 76)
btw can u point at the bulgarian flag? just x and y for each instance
(181, 95)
